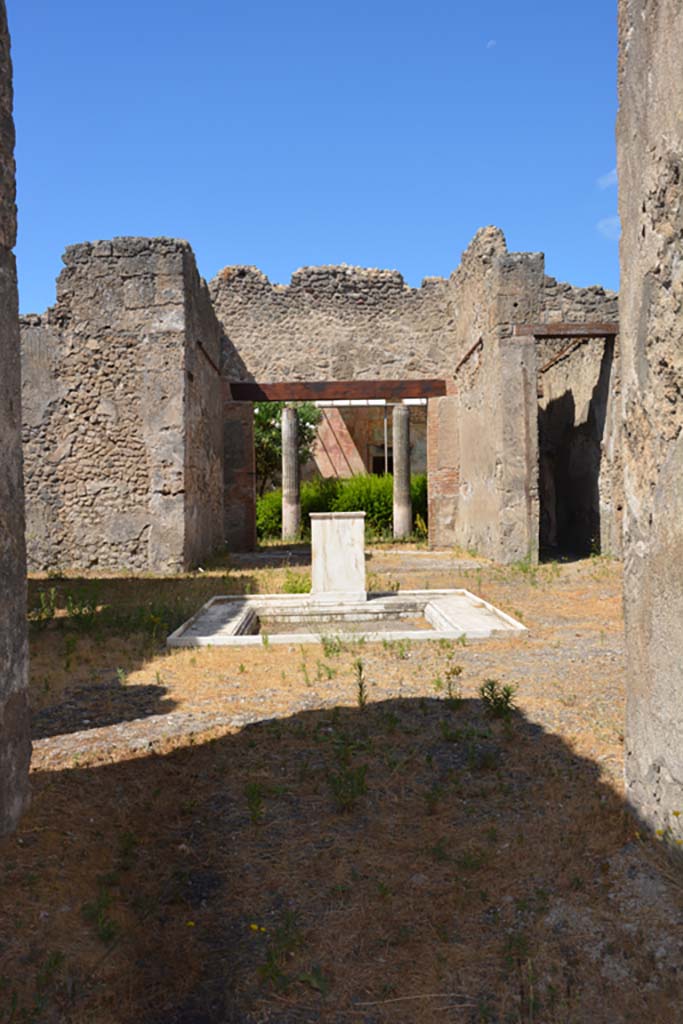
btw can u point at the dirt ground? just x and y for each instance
(342, 832)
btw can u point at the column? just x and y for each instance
(291, 501)
(403, 508)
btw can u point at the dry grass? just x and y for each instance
(410, 860)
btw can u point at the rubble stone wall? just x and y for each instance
(650, 165)
(15, 745)
(122, 429)
(333, 323)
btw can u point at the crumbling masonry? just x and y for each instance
(650, 148)
(136, 457)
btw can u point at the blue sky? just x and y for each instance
(379, 133)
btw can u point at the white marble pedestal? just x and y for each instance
(338, 556)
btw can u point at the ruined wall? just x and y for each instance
(122, 432)
(494, 509)
(565, 303)
(204, 466)
(580, 424)
(15, 746)
(579, 449)
(239, 509)
(333, 323)
(650, 164)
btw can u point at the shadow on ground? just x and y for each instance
(101, 705)
(407, 861)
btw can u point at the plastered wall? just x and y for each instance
(650, 166)
(15, 746)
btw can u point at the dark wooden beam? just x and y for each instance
(588, 330)
(321, 391)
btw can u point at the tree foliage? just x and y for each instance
(268, 438)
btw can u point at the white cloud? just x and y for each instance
(608, 180)
(491, 43)
(610, 228)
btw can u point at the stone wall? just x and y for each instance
(334, 323)
(239, 512)
(15, 746)
(580, 426)
(122, 412)
(494, 507)
(650, 164)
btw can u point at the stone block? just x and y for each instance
(338, 556)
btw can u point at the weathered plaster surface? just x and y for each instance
(650, 165)
(495, 504)
(15, 746)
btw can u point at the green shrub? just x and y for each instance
(370, 494)
(297, 582)
(418, 495)
(318, 495)
(269, 515)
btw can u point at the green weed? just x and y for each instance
(296, 582)
(254, 794)
(347, 785)
(497, 699)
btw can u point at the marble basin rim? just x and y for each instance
(234, 620)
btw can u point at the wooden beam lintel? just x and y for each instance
(566, 330)
(320, 391)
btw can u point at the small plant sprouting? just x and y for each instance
(96, 914)
(324, 671)
(254, 794)
(454, 695)
(304, 671)
(265, 640)
(498, 699)
(399, 648)
(81, 611)
(360, 684)
(286, 939)
(121, 676)
(242, 668)
(332, 645)
(43, 615)
(347, 785)
(69, 650)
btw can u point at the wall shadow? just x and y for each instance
(332, 863)
(87, 634)
(92, 707)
